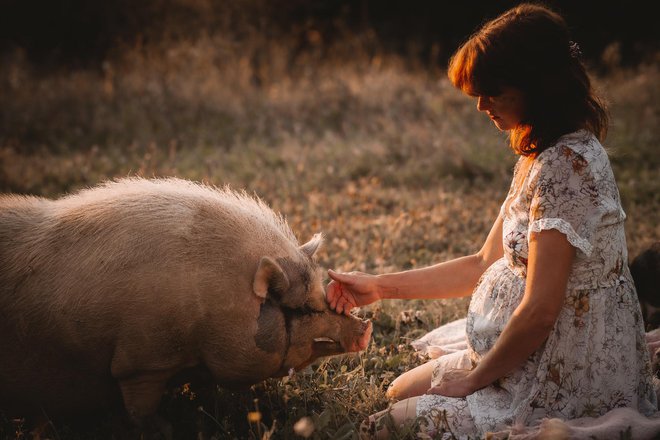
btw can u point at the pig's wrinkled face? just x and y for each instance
(324, 334)
(314, 330)
(292, 288)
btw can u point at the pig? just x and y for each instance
(108, 293)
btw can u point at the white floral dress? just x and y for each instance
(595, 358)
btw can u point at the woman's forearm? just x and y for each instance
(451, 279)
(522, 336)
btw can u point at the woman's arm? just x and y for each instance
(453, 278)
(549, 265)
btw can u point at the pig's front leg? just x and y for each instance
(142, 394)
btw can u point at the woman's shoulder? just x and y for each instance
(578, 150)
(581, 143)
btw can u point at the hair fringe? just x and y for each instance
(529, 48)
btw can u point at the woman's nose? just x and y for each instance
(483, 103)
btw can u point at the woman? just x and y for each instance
(554, 326)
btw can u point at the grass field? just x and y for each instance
(393, 165)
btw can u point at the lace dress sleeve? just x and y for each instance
(564, 196)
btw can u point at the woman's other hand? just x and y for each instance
(455, 383)
(348, 290)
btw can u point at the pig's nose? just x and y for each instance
(367, 325)
(363, 342)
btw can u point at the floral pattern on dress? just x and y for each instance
(595, 358)
(516, 242)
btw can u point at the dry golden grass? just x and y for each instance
(393, 165)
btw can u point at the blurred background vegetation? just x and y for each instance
(338, 114)
(83, 32)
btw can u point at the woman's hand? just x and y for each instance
(455, 383)
(348, 290)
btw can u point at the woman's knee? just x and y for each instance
(411, 383)
(398, 389)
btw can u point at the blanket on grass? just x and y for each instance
(618, 423)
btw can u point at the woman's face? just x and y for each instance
(505, 109)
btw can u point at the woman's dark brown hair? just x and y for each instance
(529, 48)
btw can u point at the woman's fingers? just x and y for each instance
(434, 390)
(454, 383)
(341, 304)
(341, 291)
(335, 294)
(449, 389)
(455, 374)
(347, 308)
(332, 294)
(338, 299)
(343, 278)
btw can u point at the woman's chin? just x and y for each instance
(501, 125)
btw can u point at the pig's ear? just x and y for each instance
(312, 245)
(269, 276)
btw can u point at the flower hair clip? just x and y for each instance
(574, 49)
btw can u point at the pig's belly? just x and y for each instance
(37, 377)
(58, 396)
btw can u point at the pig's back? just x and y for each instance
(133, 231)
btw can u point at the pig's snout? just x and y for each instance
(364, 335)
